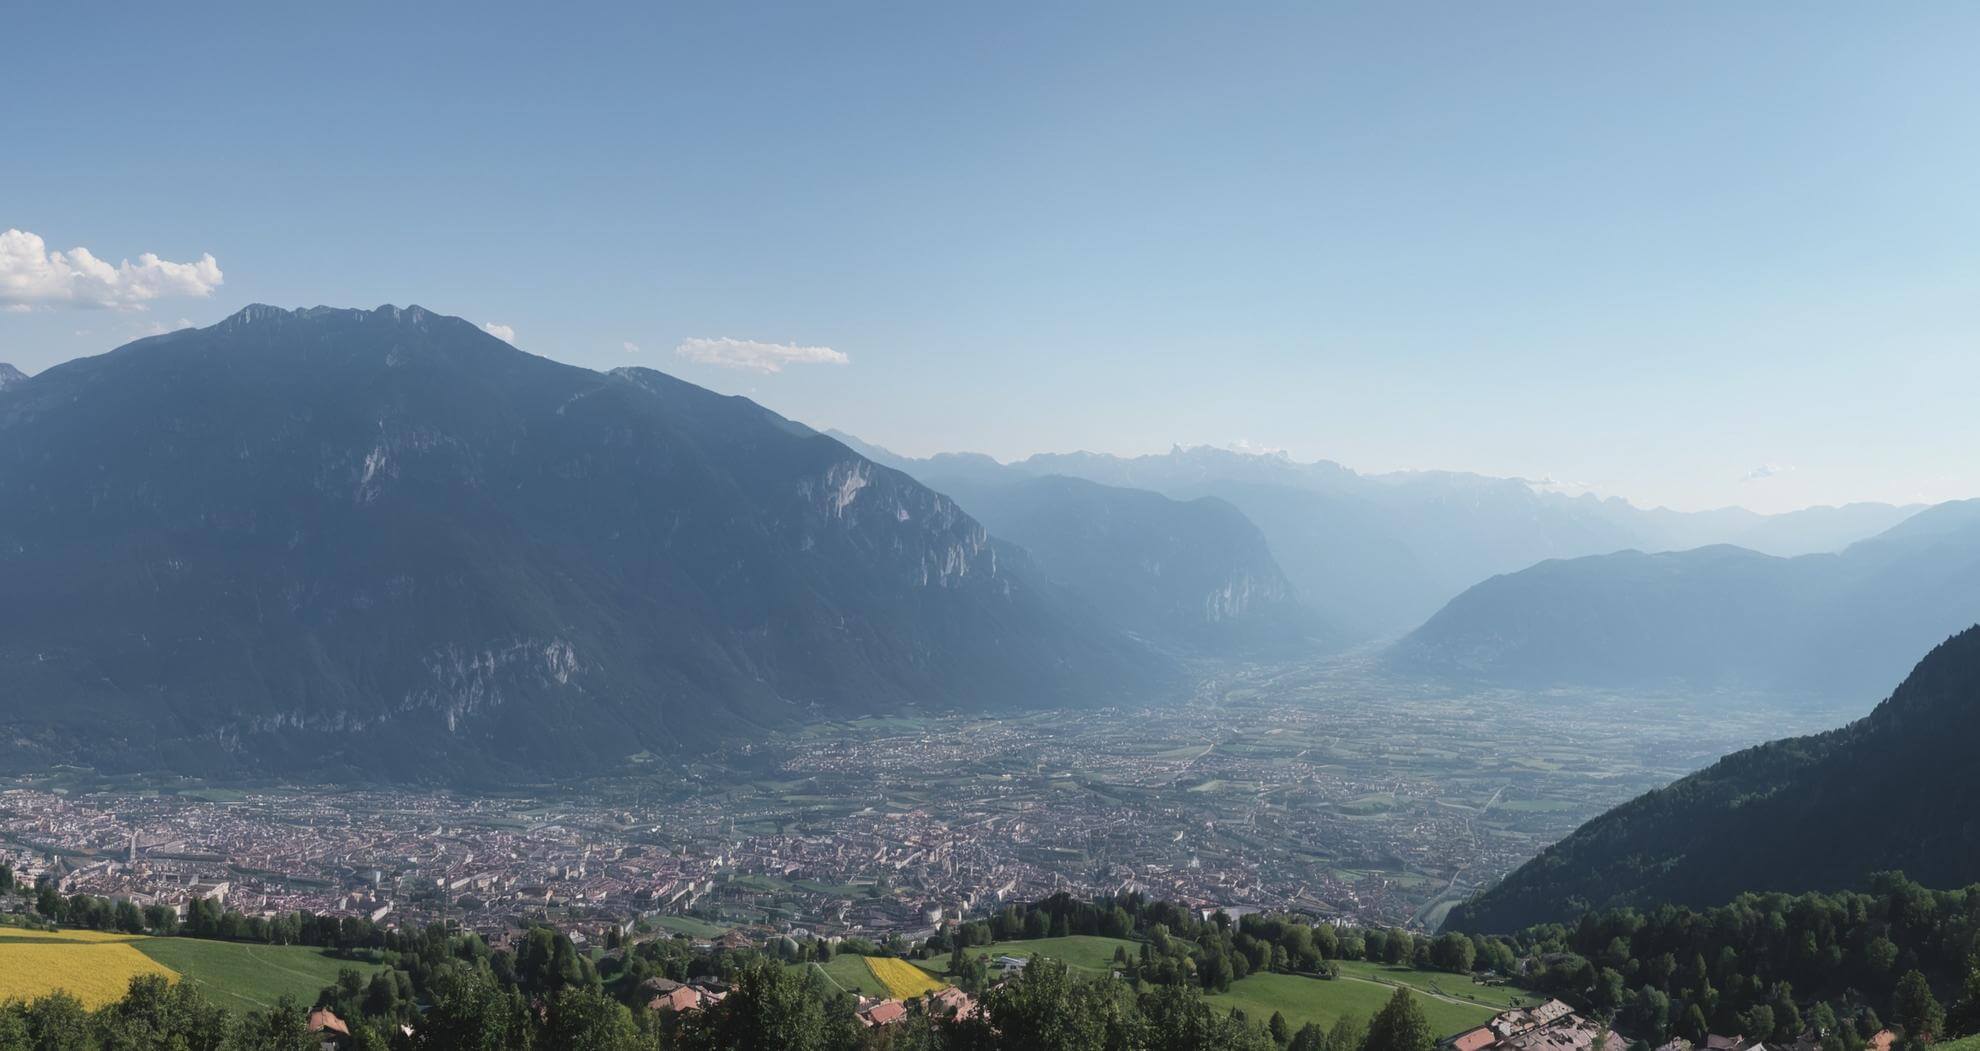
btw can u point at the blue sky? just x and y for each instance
(1693, 254)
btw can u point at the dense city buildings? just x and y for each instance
(1316, 802)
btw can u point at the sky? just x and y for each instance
(1695, 254)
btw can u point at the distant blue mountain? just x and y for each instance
(1837, 625)
(1375, 555)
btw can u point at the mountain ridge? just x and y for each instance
(1375, 555)
(354, 538)
(1837, 624)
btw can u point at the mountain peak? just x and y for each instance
(263, 314)
(10, 375)
(486, 561)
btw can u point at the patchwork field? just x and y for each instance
(878, 976)
(92, 967)
(904, 981)
(96, 967)
(848, 973)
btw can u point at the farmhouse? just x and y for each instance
(1552, 1026)
(884, 1012)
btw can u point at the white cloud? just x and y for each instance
(1765, 471)
(756, 357)
(32, 276)
(505, 333)
(631, 347)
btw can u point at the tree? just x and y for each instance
(155, 1013)
(1047, 1009)
(768, 1009)
(1916, 1009)
(1280, 1029)
(1400, 1026)
(473, 1012)
(1693, 1028)
(1349, 1033)
(1649, 1013)
(1453, 952)
(57, 1022)
(282, 1027)
(582, 1020)
(47, 900)
(1758, 1022)
(1964, 1018)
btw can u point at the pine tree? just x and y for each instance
(1400, 1026)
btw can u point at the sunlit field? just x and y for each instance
(91, 967)
(903, 979)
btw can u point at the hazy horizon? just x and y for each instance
(1695, 257)
(1242, 446)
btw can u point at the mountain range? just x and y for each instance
(1374, 555)
(10, 375)
(1194, 576)
(1893, 790)
(1839, 625)
(344, 539)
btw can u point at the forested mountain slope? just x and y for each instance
(1894, 790)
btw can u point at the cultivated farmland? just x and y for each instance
(95, 970)
(904, 981)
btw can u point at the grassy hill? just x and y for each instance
(1086, 953)
(1454, 986)
(1361, 990)
(849, 973)
(1302, 999)
(95, 967)
(241, 976)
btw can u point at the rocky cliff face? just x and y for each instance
(384, 540)
(1192, 576)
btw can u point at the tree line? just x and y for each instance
(1839, 966)
(768, 1007)
(1179, 947)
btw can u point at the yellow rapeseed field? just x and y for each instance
(8, 934)
(903, 979)
(88, 965)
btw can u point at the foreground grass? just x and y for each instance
(242, 976)
(1323, 1001)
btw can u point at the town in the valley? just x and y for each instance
(1280, 790)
